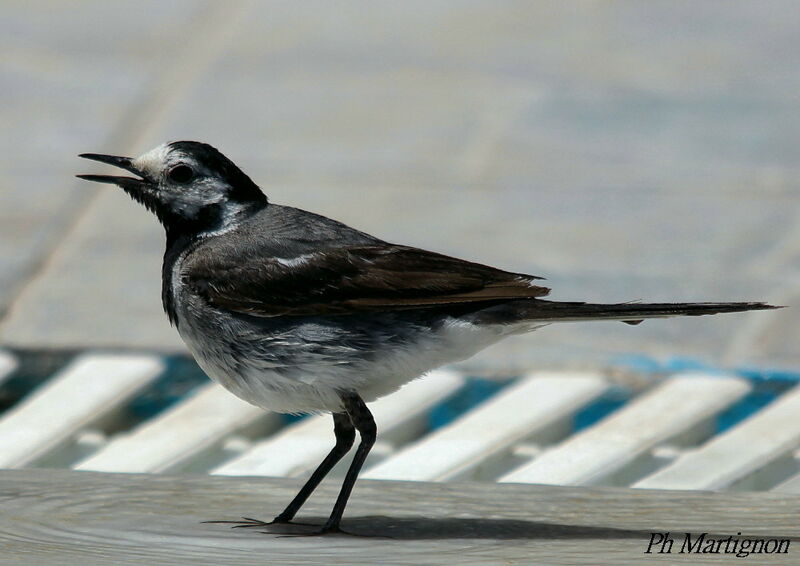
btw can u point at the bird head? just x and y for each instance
(190, 186)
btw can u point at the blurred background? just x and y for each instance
(623, 150)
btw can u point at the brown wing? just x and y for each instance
(351, 280)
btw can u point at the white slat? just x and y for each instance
(7, 365)
(669, 410)
(792, 485)
(197, 423)
(769, 434)
(89, 388)
(304, 445)
(517, 412)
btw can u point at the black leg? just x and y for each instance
(345, 436)
(362, 420)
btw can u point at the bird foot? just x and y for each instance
(268, 526)
(249, 523)
(319, 531)
(292, 528)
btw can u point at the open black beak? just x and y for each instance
(121, 162)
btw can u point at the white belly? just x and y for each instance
(313, 383)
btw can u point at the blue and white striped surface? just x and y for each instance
(674, 425)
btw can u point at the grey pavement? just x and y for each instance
(624, 150)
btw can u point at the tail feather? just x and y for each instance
(630, 313)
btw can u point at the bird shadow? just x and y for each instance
(420, 528)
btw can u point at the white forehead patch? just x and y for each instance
(154, 160)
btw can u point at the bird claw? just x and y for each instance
(322, 531)
(249, 523)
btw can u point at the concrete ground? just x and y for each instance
(624, 150)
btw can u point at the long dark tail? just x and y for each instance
(631, 313)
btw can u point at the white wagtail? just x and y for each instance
(295, 312)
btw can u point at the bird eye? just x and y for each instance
(181, 174)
